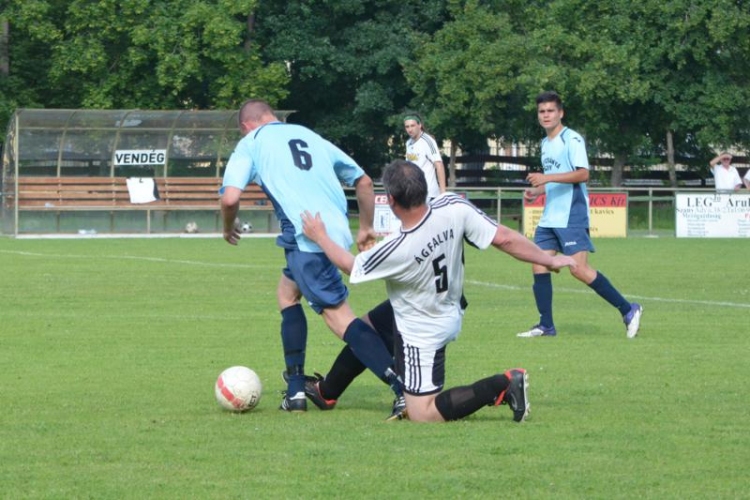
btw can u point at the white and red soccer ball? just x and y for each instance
(238, 389)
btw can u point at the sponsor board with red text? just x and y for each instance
(608, 215)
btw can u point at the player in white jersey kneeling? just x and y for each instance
(423, 268)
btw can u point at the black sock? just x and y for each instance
(460, 402)
(344, 370)
(347, 365)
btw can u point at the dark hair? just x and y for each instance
(253, 110)
(549, 96)
(406, 183)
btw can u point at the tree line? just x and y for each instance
(645, 82)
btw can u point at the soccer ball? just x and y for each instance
(243, 227)
(238, 389)
(191, 227)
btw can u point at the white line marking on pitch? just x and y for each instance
(470, 282)
(134, 257)
(639, 297)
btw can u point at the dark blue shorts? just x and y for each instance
(317, 278)
(568, 241)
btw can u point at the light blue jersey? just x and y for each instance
(298, 170)
(567, 205)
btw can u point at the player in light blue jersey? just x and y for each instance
(564, 226)
(298, 170)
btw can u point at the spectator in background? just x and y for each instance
(746, 179)
(726, 177)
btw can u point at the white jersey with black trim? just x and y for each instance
(424, 152)
(424, 271)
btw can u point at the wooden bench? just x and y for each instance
(65, 194)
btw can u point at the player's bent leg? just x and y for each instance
(338, 318)
(502, 388)
(347, 366)
(366, 344)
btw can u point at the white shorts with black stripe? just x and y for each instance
(421, 368)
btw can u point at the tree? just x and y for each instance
(654, 71)
(465, 76)
(4, 59)
(628, 72)
(699, 69)
(344, 61)
(182, 54)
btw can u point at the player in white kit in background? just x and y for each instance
(423, 151)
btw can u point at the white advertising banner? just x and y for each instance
(140, 157)
(712, 215)
(385, 221)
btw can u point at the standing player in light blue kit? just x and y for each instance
(564, 226)
(300, 170)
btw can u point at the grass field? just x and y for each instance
(110, 349)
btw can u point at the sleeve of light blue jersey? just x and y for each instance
(577, 153)
(345, 167)
(239, 168)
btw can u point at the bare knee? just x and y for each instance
(422, 409)
(287, 293)
(585, 274)
(339, 318)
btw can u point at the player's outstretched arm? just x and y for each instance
(315, 229)
(517, 245)
(230, 206)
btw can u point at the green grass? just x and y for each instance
(110, 349)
